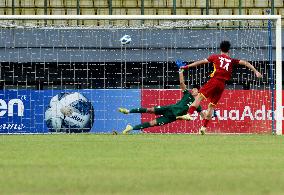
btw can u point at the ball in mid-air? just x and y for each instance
(126, 39)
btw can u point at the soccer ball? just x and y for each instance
(69, 112)
(126, 39)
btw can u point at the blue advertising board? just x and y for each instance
(24, 111)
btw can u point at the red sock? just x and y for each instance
(191, 109)
(205, 122)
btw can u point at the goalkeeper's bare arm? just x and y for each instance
(181, 80)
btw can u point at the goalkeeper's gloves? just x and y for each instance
(181, 64)
(184, 117)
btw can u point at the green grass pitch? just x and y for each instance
(141, 164)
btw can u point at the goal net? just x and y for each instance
(71, 73)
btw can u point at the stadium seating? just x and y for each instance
(117, 3)
(164, 11)
(72, 4)
(159, 3)
(181, 11)
(225, 12)
(2, 11)
(28, 11)
(56, 3)
(119, 11)
(150, 11)
(281, 12)
(9, 3)
(187, 3)
(147, 3)
(194, 11)
(248, 3)
(255, 11)
(170, 3)
(129, 3)
(263, 3)
(231, 3)
(88, 11)
(237, 11)
(133, 11)
(103, 11)
(39, 11)
(278, 3)
(101, 3)
(39, 3)
(17, 11)
(86, 3)
(27, 3)
(2, 4)
(216, 3)
(211, 11)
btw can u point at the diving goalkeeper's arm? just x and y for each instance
(182, 65)
(181, 80)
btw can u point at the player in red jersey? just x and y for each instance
(213, 89)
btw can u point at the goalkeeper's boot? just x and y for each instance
(185, 117)
(127, 129)
(123, 110)
(202, 130)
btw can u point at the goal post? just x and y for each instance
(103, 78)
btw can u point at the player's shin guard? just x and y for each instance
(138, 110)
(191, 109)
(142, 126)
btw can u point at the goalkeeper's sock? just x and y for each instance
(142, 126)
(191, 110)
(138, 110)
(205, 122)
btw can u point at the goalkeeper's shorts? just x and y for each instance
(162, 120)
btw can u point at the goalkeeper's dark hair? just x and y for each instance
(225, 46)
(196, 86)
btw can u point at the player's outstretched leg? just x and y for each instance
(123, 110)
(207, 117)
(186, 117)
(127, 129)
(136, 110)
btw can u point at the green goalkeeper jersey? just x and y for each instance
(182, 106)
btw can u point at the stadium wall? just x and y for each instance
(23, 111)
(27, 113)
(236, 112)
(101, 45)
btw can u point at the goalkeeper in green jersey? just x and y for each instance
(169, 113)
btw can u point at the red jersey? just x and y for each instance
(223, 66)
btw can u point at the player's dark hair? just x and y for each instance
(196, 86)
(225, 46)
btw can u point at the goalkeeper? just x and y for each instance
(169, 113)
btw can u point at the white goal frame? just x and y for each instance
(277, 18)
